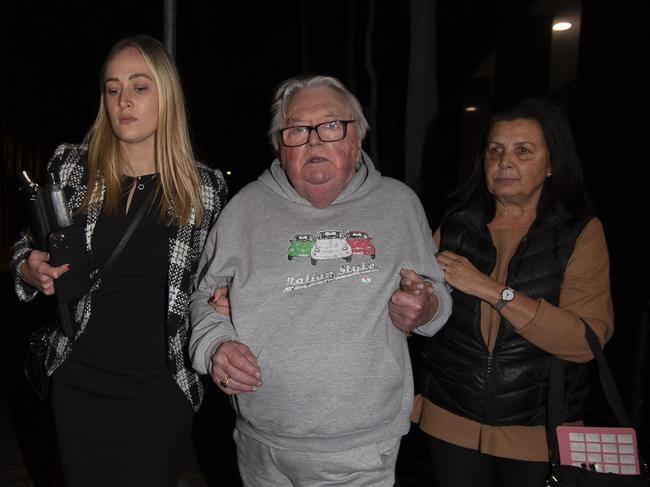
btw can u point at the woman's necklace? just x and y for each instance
(141, 181)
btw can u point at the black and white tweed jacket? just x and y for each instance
(184, 252)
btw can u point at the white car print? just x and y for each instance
(330, 244)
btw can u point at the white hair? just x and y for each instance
(288, 88)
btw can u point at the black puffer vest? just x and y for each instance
(508, 386)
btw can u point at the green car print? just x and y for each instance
(300, 245)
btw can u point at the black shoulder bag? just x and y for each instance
(34, 367)
(593, 471)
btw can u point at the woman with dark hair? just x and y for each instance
(527, 260)
(123, 390)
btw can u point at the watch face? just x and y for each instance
(507, 294)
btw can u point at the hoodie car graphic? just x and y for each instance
(300, 245)
(359, 242)
(329, 245)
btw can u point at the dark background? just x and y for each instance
(407, 61)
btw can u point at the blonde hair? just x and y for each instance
(179, 177)
(288, 88)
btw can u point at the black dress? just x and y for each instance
(121, 419)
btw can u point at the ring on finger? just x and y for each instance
(225, 381)
(444, 268)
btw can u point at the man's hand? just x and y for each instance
(235, 368)
(413, 304)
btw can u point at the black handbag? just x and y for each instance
(35, 361)
(572, 476)
(34, 367)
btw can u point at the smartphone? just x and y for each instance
(68, 246)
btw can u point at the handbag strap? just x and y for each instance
(64, 311)
(607, 380)
(556, 392)
(125, 238)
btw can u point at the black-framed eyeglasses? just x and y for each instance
(327, 132)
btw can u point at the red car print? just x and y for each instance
(360, 243)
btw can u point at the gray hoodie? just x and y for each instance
(309, 292)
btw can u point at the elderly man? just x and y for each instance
(314, 254)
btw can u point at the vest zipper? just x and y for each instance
(488, 385)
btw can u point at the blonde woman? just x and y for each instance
(123, 390)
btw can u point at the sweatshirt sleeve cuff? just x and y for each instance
(442, 313)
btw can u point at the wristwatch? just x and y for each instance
(506, 295)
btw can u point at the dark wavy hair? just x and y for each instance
(563, 192)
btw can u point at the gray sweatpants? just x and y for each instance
(367, 466)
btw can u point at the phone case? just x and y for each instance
(68, 246)
(599, 449)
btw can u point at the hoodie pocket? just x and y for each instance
(326, 389)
